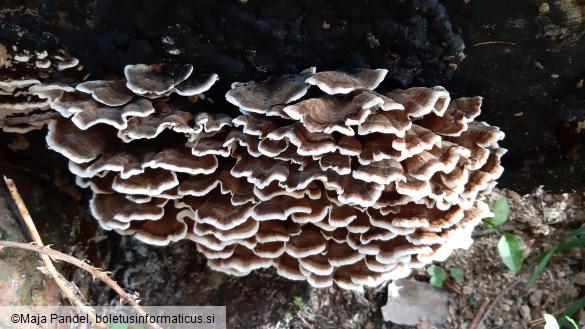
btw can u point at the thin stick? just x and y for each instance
(479, 315)
(503, 227)
(95, 272)
(45, 252)
(540, 321)
(24, 212)
(494, 42)
(52, 271)
(302, 317)
(494, 302)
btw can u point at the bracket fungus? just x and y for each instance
(321, 176)
(29, 82)
(399, 174)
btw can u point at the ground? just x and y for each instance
(541, 220)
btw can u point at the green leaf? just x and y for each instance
(542, 259)
(436, 281)
(575, 243)
(298, 301)
(572, 309)
(287, 316)
(437, 271)
(457, 274)
(511, 252)
(501, 210)
(571, 321)
(474, 303)
(487, 222)
(550, 322)
(437, 274)
(577, 232)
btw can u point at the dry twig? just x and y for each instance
(494, 42)
(479, 315)
(503, 227)
(47, 253)
(302, 317)
(484, 310)
(541, 321)
(95, 272)
(64, 285)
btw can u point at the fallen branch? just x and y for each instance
(47, 254)
(95, 272)
(49, 268)
(479, 315)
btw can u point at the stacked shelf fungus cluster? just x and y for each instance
(321, 176)
(371, 184)
(30, 81)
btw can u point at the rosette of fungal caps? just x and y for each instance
(321, 177)
(29, 82)
(133, 141)
(358, 187)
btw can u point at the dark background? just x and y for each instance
(525, 63)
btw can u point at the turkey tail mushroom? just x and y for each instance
(321, 177)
